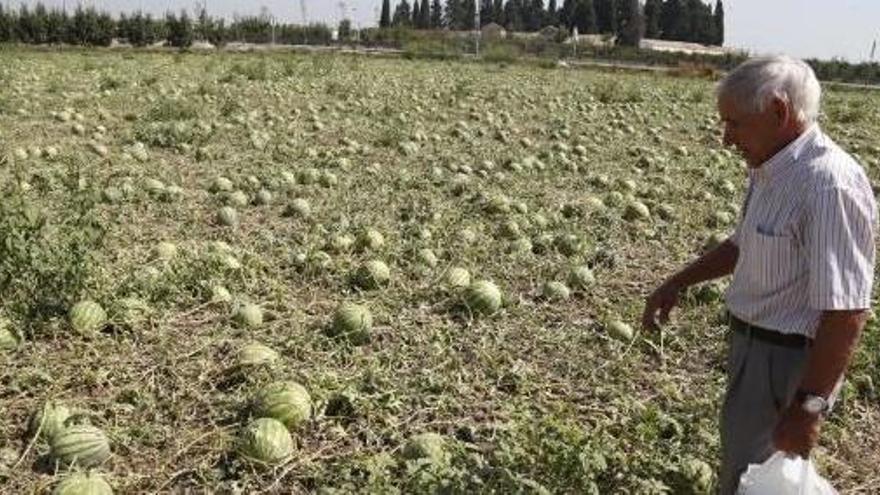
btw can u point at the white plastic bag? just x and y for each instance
(783, 474)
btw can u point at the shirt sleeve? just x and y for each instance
(840, 249)
(734, 238)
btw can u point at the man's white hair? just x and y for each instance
(756, 82)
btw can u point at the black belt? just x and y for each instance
(769, 336)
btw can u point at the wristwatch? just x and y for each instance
(812, 403)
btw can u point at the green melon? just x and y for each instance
(83, 484)
(427, 258)
(266, 441)
(263, 197)
(221, 184)
(458, 278)
(248, 315)
(165, 250)
(353, 322)
(9, 339)
(49, 419)
(483, 297)
(237, 198)
(83, 445)
(619, 330)
(220, 294)
(87, 317)
(636, 210)
(256, 354)
(428, 446)
(373, 274)
(371, 239)
(154, 187)
(555, 291)
(227, 216)
(298, 208)
(288, 402)
(581, 277)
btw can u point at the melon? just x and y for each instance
(154, 186)
(339, 243)
(87, 317)
(581, 277)
(9, 339)
(483, 297)
(373, 274)
(263, 197)
(458, 278)
(83, 484)
(298, 208)
(266, 441)
(370, 239)
(555, 291)
(220, 294)
(221, 184)
(256, 354)
(288, 402)
(165, 250)
(428, 446)
(248, 315)
(49, 419)
(82, 445)
(237, 198)
(353, 322)
(636, 210)
(427, 258)
(227, 216)
(619, 330)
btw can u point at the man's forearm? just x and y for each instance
(832, 349)
(716, 263)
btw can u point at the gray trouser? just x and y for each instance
(762, 380)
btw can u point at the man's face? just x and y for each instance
(754, 134)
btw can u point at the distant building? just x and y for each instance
(685, 47)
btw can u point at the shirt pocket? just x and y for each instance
(771, 260)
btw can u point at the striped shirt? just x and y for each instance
(805, 238)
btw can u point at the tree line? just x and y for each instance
(629, 20)
(89, 27)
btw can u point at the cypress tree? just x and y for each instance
(584, 17)
(385, 18)
(552, 14)
(402, 14)
(671, 17)
(436, 14)
(631, 23)
(425, 17)
(606, 16)
(652, 18)
(416, 14)
(718, 23)
(535, 15)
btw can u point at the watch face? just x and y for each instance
(814, 405)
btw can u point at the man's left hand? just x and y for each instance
(797, 431)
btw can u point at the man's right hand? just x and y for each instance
(659, 304)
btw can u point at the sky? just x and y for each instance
(822, 29)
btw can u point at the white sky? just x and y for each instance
(803, 28)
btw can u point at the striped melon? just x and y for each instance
(458, 278)
(555, 291)
(248, 315)
(49, 420)
(87, 317)
(83, 484)
(353, 322)
(83, 445)
(9, 339)
(256, 354)
(288, 402)
(373, 274)
(483, 296)
(266, 441)
(227, 216)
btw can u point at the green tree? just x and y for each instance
(416, 14)
(652, 18)
(180, 30)
(436, 14)
(606, 16)
(534, 15)
(487, 12)
(402, 15)
(425, 15)
(584, 17)
(718, 23)
(385, 18)
(498, 12)
(631, 23)
(672, 20)
(552, 14)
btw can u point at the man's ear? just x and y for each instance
(781, 111)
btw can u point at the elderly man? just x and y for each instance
(802, 259)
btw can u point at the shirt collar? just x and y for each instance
(780, 163)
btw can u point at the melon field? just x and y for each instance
(281, 273)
